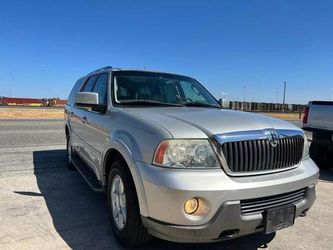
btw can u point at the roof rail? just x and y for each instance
(101, 69)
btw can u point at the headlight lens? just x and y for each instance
(306, 150)
(185, 154)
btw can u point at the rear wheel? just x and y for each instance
(124, 208)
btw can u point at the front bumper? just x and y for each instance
(164, 191)
(228, 223)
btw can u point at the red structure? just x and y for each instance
(15, 101)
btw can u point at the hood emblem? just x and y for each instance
(272, 137)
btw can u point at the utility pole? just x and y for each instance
(10, 84)
(277, 100)
(244, 89)
(284, 95)
(277, 97)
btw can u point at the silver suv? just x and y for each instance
(176, 165)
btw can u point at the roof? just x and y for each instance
(111, 69)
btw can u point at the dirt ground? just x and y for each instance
(43, 113)
(33, 113)
(284, 116)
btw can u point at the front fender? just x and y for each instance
(118, 141)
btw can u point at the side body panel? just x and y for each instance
(72, 115)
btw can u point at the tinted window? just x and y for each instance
(159, 87)
(191, 91)
(89, 84)
(75, 89)
(101, 88)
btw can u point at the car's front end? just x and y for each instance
(211, 204)
(219, 174)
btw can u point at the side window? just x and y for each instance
(76, 88)
(101, 88)
(88, 87)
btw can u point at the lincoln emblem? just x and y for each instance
(272, 137)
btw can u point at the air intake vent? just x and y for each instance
(255, 206)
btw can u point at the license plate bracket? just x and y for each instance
(279, 218)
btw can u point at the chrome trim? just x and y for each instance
(255, 135)
(264, 134)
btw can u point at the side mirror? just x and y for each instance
(225, 103)
(89, 100)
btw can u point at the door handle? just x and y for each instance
(71, 114)
(84, 119)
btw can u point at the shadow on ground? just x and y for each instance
(254, 241)
(80, 216)
(326, 175)
(325, 163)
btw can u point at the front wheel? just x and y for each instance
(124, 208)
(69, 150)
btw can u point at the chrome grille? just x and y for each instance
(261, 155)
(259, 205)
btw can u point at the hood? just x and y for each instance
(192, 122)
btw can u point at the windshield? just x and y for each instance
(140, 88)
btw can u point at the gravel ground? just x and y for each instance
(43, 205)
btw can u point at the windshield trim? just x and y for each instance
(150, 73)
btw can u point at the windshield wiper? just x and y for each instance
(150, 103)
(200, 104)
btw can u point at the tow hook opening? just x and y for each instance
(228, 234)
(303, 214)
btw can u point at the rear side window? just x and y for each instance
(101, 88)
(76, 88)
(88, 87)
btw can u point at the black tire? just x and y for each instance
(70, 164)
(133, 233)
(320, 155)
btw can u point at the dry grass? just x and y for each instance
(284, 116)
(20, 113)
(40, 113)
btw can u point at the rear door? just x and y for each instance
(79, 116)
(94, 135)
(71, 113)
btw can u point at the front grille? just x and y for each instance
(260, 155)
(259, 205)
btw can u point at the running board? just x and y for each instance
(87, 174)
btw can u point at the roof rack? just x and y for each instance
(101, 69)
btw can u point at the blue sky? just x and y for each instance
(46, 45)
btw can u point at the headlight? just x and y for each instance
(185, 154)
(306, 149)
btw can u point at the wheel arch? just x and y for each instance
(119, 150)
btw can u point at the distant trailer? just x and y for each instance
(15, 101)
(56, 102)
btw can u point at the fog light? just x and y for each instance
(191, 205)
